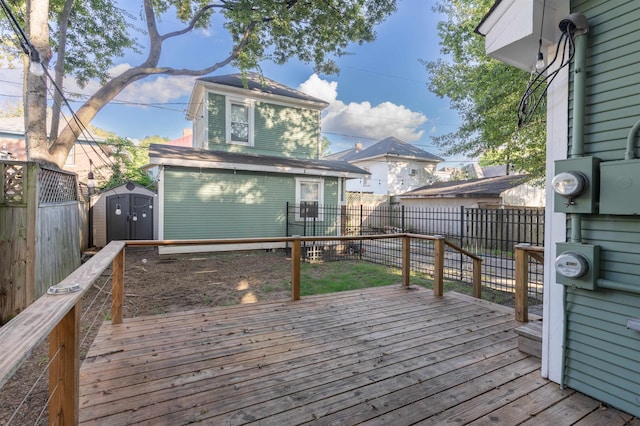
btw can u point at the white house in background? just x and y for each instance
(395, 166)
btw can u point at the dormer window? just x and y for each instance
(239, 122)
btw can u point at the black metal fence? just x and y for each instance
(488, 233)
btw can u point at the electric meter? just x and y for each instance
(571, 265)
(569, 184)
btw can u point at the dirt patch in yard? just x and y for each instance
(154, 284)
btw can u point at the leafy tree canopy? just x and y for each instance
(129, 158)
(485, 92)
(86, 38)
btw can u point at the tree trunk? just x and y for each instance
(35, 99)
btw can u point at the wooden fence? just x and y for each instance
(39, 232)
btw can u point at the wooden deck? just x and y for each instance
(383, 356)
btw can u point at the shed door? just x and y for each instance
(135, 221)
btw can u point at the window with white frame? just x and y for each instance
(239, 122)
(366, 181)
(309, 196)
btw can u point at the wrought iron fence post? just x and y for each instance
(461, 241)
(286, 229)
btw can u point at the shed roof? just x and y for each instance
(196, 157)
(482, 187)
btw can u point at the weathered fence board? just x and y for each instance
(40, 230)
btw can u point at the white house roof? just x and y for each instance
(195, 157)
(390, 146)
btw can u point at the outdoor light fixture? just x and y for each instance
(135, 217)
(569, 184)
(35, 66)
(571, 265)
(118, 210)
(144, 214)
(540, 60)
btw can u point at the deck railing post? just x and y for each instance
(117, 288)
(64, 369)
(477, 278)
(522, 283)
(295, 270)
(406, 261)
(438, 266)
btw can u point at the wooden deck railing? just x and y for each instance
(58, 316)
(522, 254)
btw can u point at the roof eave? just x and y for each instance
(227, 165)
(239, 91)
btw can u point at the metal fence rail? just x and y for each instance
(491, 234)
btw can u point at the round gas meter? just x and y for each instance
(571, 264)
(569, 184)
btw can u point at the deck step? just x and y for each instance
(530, 338)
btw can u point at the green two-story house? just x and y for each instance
(256, 149)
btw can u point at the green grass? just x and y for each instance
(331, 277)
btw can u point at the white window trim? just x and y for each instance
(366, 181)
(299, 182)
(237, 101)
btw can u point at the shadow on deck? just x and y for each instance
(380, 356)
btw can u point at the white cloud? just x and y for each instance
(363, 119)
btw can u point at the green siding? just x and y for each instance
(216, 113)
(602, 356)
(278, 130)
(222, 204)
(286, 131)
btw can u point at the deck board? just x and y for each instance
(375, 356)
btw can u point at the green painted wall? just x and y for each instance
(223, 204)
(603, 356)
(278, 130)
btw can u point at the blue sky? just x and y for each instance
(380, 91)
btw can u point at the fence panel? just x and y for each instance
(491, 234)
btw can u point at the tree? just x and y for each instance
(277, 30)
(486, 94)
(129, 159)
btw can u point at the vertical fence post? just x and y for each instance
(64, 371)
(404, 229)
(522, 278)
(117, 288)
(477, 278)
(295, 270)
(286, 229)
(461, 242)
(406, 261)
(438, 265)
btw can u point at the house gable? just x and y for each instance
(280, 121)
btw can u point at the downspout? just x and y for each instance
(581, 26)
(577, 131)
(629, 153)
